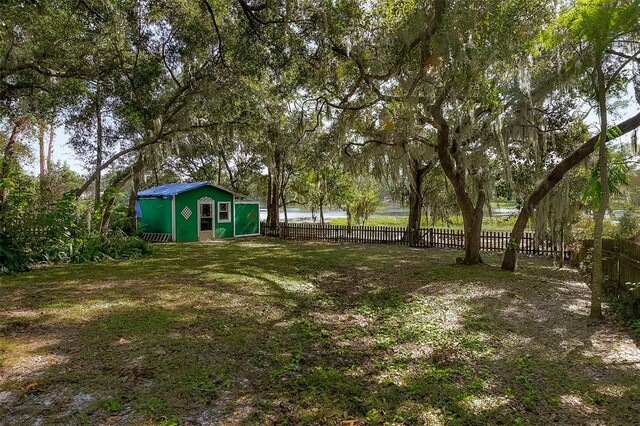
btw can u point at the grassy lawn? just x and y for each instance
(268, 332)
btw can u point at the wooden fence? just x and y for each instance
(425, 237)
(26, 233)
(620, 266)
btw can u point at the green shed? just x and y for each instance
(198, 211)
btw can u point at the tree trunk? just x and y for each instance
(157, 138)
(416, 200)
(52, 135)
(98, 182)
(272, 205)
(269, 187)
(233, 180)
(275, 185)
(597, 276)
(9, 153)
(42, 129)
(510, 259)
(284, 208)
(273, 214)
(107, 203)
(473, 238)
(449, 156)
(415, 212)
(107, 208)
(136, 176)
(131, 207)
(321, 208)
(562, 226)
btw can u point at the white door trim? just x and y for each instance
(201, 201)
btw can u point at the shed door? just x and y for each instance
(205, 220)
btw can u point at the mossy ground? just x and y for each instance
(262, 331)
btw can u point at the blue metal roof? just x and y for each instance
(171, 189)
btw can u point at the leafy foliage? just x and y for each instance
(12, 257)
(357, 196)
(628, 224)
(61, 236)
(617, 178)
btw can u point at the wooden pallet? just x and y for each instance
(156, 237)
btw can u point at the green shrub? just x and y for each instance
(61, 235)
(12, 257)
(627, 310)
(628, 224)
(117, 245)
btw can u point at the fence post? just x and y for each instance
(439, 237)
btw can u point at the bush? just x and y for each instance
(61, 235)
(627, 310)
(628, 224)
(110, 245)
(12, 258)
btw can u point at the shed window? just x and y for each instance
(224, 212)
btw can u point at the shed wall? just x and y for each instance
(156, 215)
(187, 229)
(247, 218)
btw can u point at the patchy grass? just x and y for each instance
(271, 332)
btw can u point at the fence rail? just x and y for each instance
(26, 234)
(620, 267)
(423, 237)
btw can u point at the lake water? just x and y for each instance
(302, 215)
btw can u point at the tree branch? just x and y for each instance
(633, 58)
(367, 142)
(154, 140)
(166, 65)
(215, 25)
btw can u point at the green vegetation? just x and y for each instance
(266, 331)
(60, 235)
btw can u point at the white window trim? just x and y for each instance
(228, 212)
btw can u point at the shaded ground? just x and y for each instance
(268, 332)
